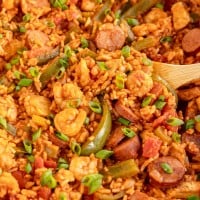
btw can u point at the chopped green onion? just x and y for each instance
(22, 29)
(61, 136)
(87, 120)
(63, 62)
(17, 74)
(159, 5)
(30, 158)
(33, 71)
(124, 121)
(126, 51)
(103, 154)
(197, 118)
(50, 24)
(3, 122)
(62, 163)
(67, 51)
(27, 146)
(26, 17)
(166, 168)
(146, 101)
(106, 11)
(132, 22)
(146, 61)
(14, 61)
(93, 182)
(62, 196)
(160, 104)
(173, 121)
(11, 129)
(48, 180)
(99, 1)
(75, 147)
(24, 82)
(73, 103)
(117, 14)
(161, 98)
(128, 132)
(8, 66)
(21, 50)
(119, 81)
(28, 168)
(59, 4)
(17, 88)
(102, 66)
(166, 39)
(84, 42)
(1, 36)
(60, 73)
(36, 135)
(189, 124)
(194, 197)
(95, 107)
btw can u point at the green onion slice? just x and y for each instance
(102, 66)
(61, 136)
(146, 101)
(166, 39)
(30, 158)
(3, 122)
(22, 29)
(189, 124)
(166, 168)
(27, 146)
(173, 121)
(103, 154)
(124, 121)
(159, 5)
(73, 103)
(24, 82)
(62, 196)
(84, 42)
(93, 182)
(33, 71)
(26, 17)
(128, 132)
(28, 168)
(176, 137)
(14, 61)
(126, 51)
(36, 134)
(62, 163)
(132, 21)
(193, 197)
(48, 180)
(59, 4)
(146, 61)
(95, 107)
(160, 104)
(75, 147)
(119, 81)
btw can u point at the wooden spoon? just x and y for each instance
(177, 75)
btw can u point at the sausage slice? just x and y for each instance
(159, 177)
(191, 40)
(110, 37)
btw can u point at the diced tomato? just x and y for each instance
(50, 164)
(19, 176)
(39, 162)
(44, 192)
(151, 147)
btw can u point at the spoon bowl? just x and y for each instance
(177, 75)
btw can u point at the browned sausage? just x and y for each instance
(19, 176)
(191, 40)
(156, 90)
(193, 141)
(110, 37)
(139, 196)
(116, 137)
(50, 164)
(44, 193)
(127, 149)
(125, 112)
(57, 141)
(159, 177)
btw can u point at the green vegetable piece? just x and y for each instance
(11, 129)
(75, 147)
(17, 74)
(61, 136)
(67, 51)
(25, 82)
(132, 21)
(160, 104)
(33, 71)
(84, 43)
(26, 17)
(36, 134)
(189, 124)
(128, 132)
(27, 146)
(127, 168)
(146, 61)
(173, 121)
(30, 158)
(102, 66)
(197, 118)
(62, 163)
(14, 61)
(126, 51)
(194, 197)
(144, 44)
(119, 81)
(73, 103)
(93, 182)
(61, 72)
(59, 4)
(62, 196)
(3, 122)
(87, 121)
(28, 168)
(166, 168)
(139, 8)
(8, 66)
(100, 135)
(166, 39)
(159, 5)
(95, 107)
(117, 14)
(103, 154)
(146, 101)
(48, 180)
(22, 29)
(124, 121)
(50, 24)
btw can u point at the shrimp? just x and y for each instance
(83, 73)
(68, 91)
(70, 121)
(82, 165)
(36, 7)
(64, 176)
(8, 109)
(37, 105)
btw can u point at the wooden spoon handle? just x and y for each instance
(177, 75)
